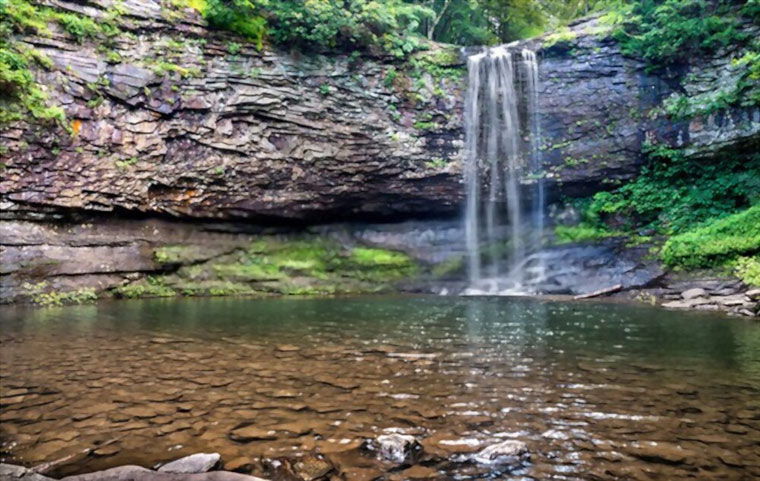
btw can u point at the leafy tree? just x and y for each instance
(322, 24)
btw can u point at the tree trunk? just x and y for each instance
(437, 19)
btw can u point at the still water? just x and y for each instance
(595, 390)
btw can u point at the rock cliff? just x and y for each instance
(169, 119)
(599, 106)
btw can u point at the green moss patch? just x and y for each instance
(42, 296)
(148, 287)
(272, 265)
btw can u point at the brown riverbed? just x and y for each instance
(596, 390)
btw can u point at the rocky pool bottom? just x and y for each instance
(307, 389)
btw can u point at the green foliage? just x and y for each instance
(77, 26)
(378, 265)
(748, 270)
(561, 38)
(582, 233)
(124, 164)
(368, 257)
(44, 298)
(672, 194)
(745, 91)
(451, 267)
(305, 266)
(214, 288)
(321, 24)
(20, 95)
(717, 242)
(164, 68)
(239, 16)
(151, 287)
(234, 48)
(751, 10)
(390, 77)
(424, 125)
(674, 31)
(171, 254)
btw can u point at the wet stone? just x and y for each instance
(312, 468)
(287, 348)
(506, 453)
(419, 472)
(652, 451)
(108, 450)
(141, 412)
(693, 293)
(398, 448)
(195, 463)
(252, 433)
(240, 464)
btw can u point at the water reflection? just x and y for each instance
(587, 386)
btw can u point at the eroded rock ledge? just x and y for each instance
(179, 125)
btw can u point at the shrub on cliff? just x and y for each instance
(675, 31)
(20, 94)
(717, 242)
(674, 193)
(322, 24)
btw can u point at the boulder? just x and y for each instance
(9, 472)
(195, 463)
(398, 448)
(693, 293)
(505, 453)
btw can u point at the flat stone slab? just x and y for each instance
(510, 452)
(693, 293)
(137, 473)
(195, 463)
(9, 472)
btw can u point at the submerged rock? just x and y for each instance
(195, 463)
(398, 448)
(506, 453)
(312, 467)
(252, 433)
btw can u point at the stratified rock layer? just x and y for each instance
(181, 126)
(170, 119)
(167, 120)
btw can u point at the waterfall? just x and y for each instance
(496, 161)
(531, 82)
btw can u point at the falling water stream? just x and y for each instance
(498, 234)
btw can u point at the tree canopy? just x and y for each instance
(396, 26)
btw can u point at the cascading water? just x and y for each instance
(497, 155)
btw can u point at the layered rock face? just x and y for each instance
(598, 107)
(171, 118)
